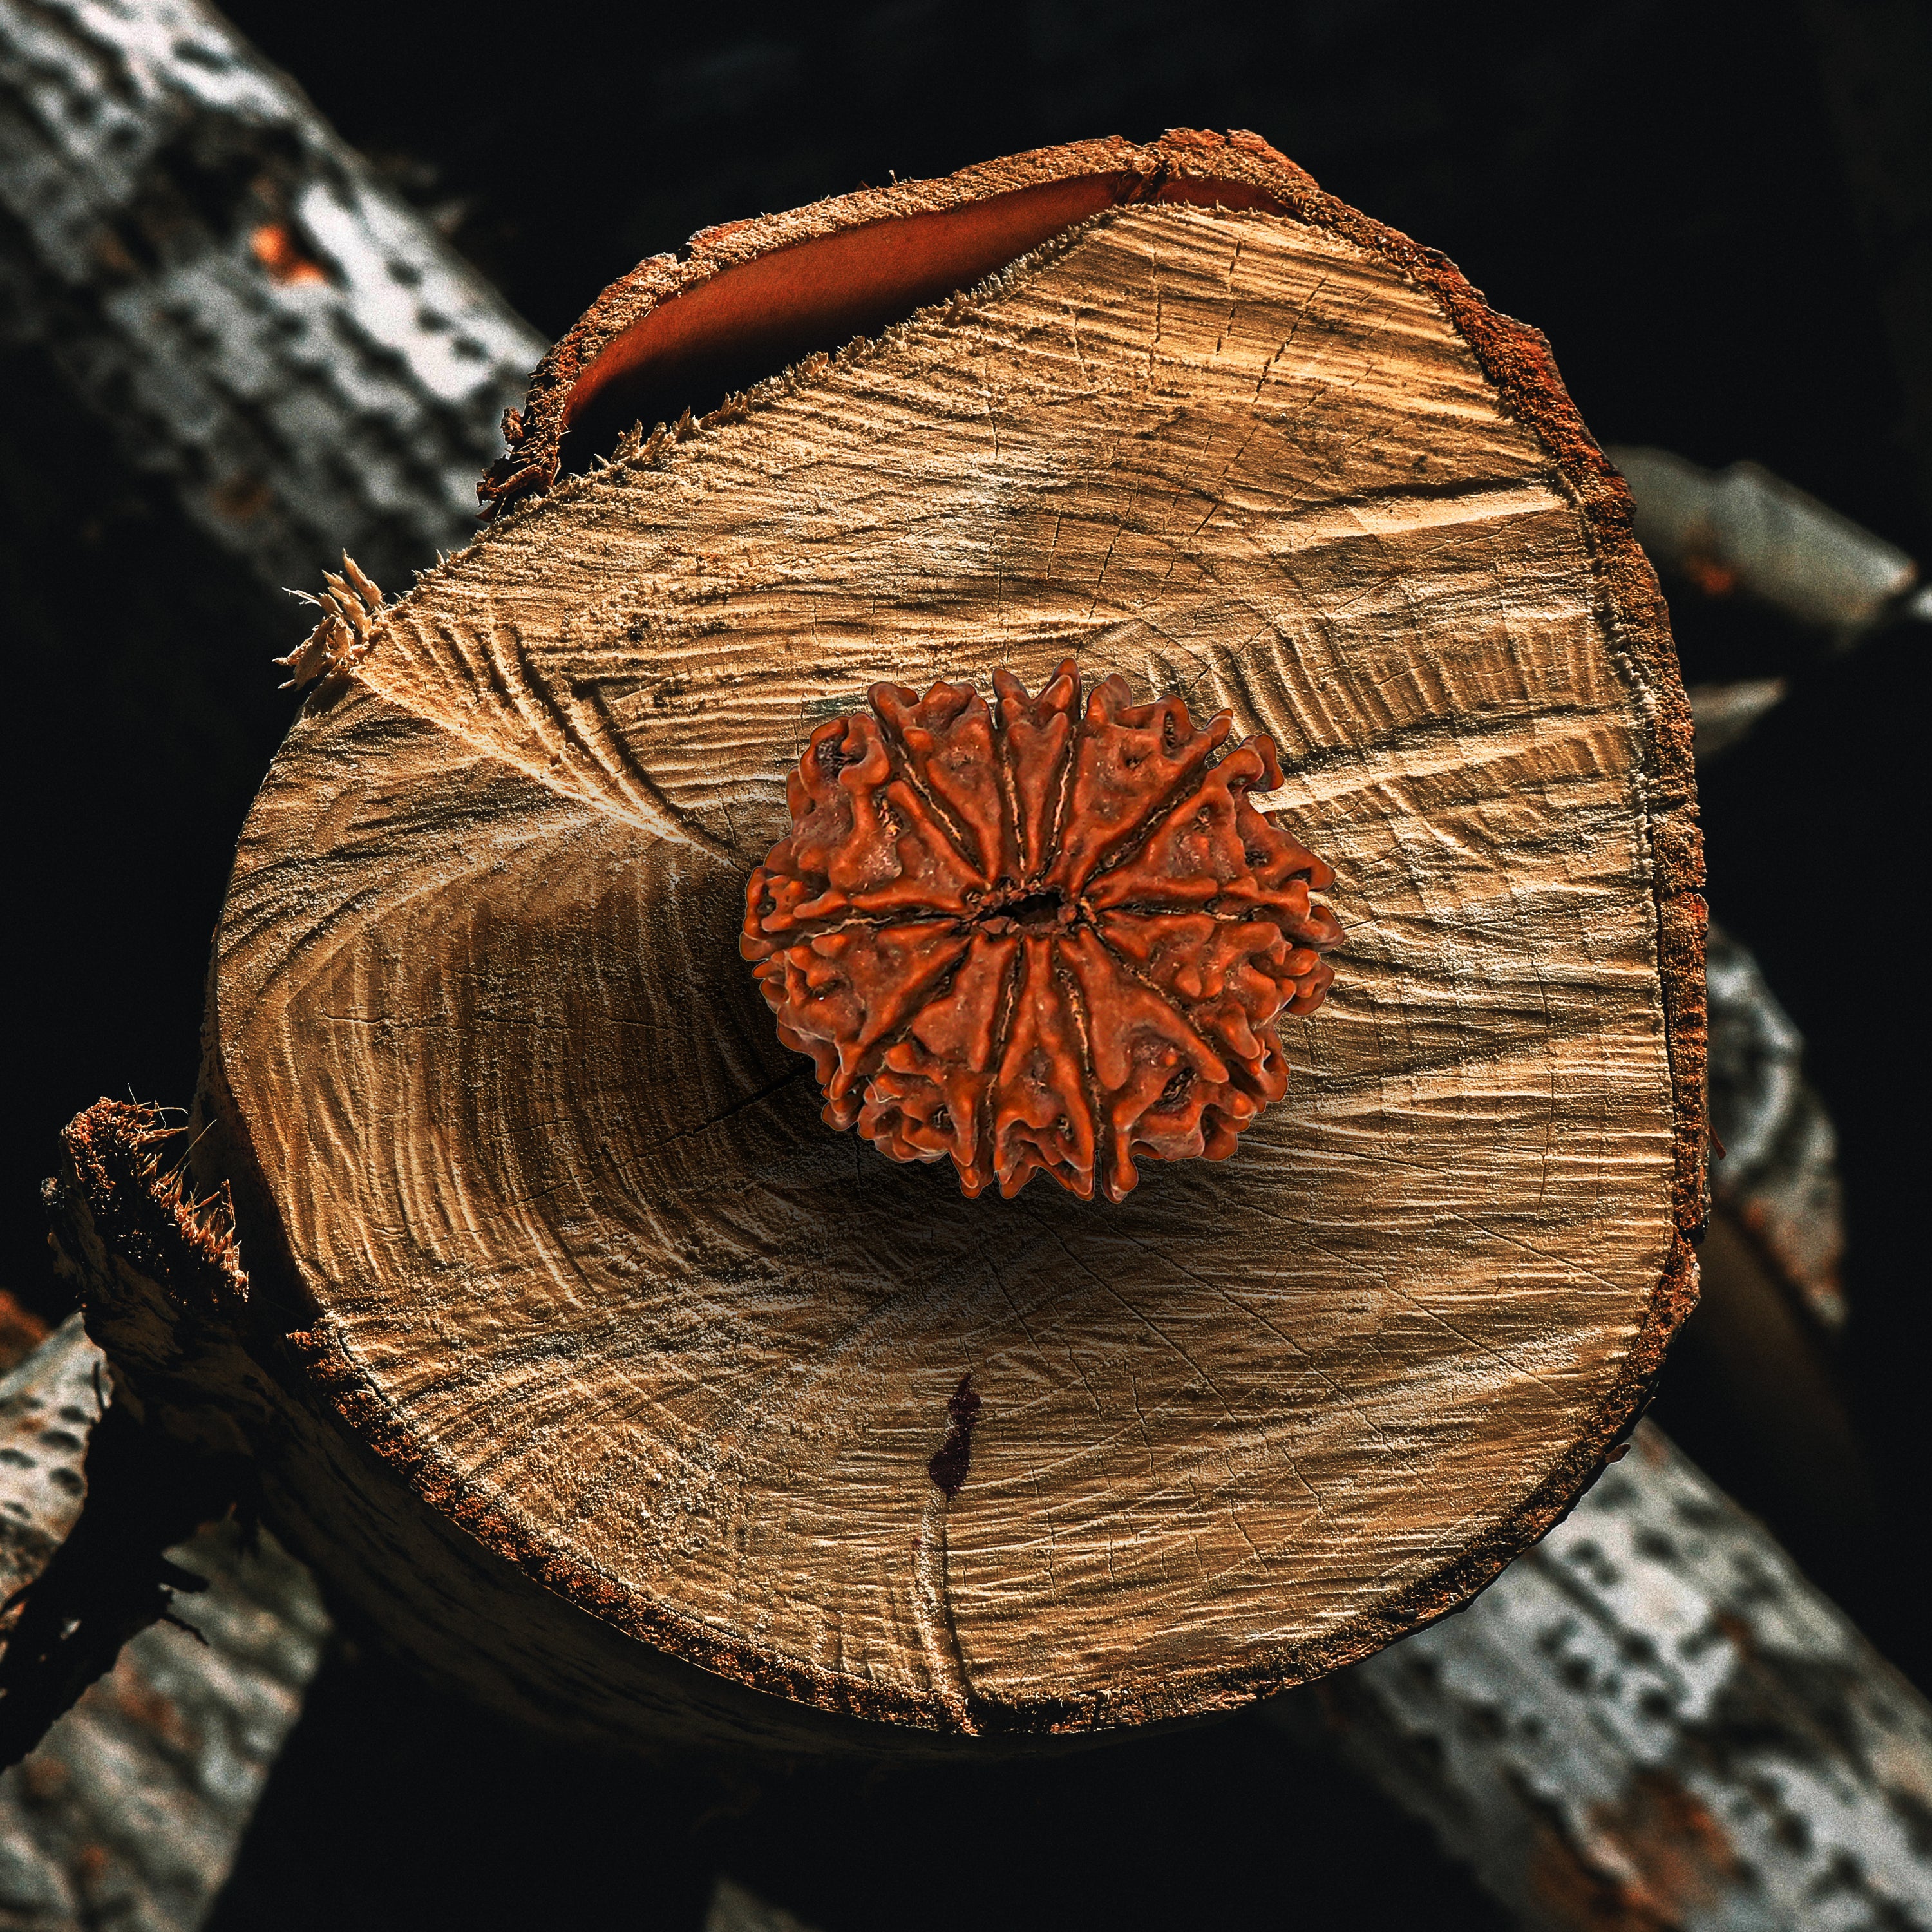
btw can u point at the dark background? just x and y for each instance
(1721, 215)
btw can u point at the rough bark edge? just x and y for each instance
(1187, 166)
(159, 1279)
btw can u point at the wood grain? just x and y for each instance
(549, 1211)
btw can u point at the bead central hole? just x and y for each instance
(1038, 912)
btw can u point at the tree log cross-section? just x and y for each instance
(582, 1355)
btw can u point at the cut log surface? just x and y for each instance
(564, 1281)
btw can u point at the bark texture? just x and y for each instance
(130, 1813)
(1653, 1721)
(1778, 1173)
(226, 281)
(49, 1405)
(576, 1284)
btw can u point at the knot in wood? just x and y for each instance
(1035, 938)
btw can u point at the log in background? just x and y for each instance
(1671, 197)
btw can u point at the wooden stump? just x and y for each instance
(604, 1374)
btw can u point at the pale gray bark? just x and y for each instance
(1653, 1720)
(735, 1908)
(49, 1404)
(1726, 714)
(131, 1812)
(1744, 530)
(232, 287)
(1779, 1171)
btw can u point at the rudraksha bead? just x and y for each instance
(1035, 938)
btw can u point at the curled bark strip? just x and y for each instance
(747, 299)
(1035, 939)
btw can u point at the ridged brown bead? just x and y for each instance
(1038, 937)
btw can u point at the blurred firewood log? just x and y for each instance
(129, 1812)
(218, 275)
(1764, 1339)
(1746, 533)
(1653, 1720)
